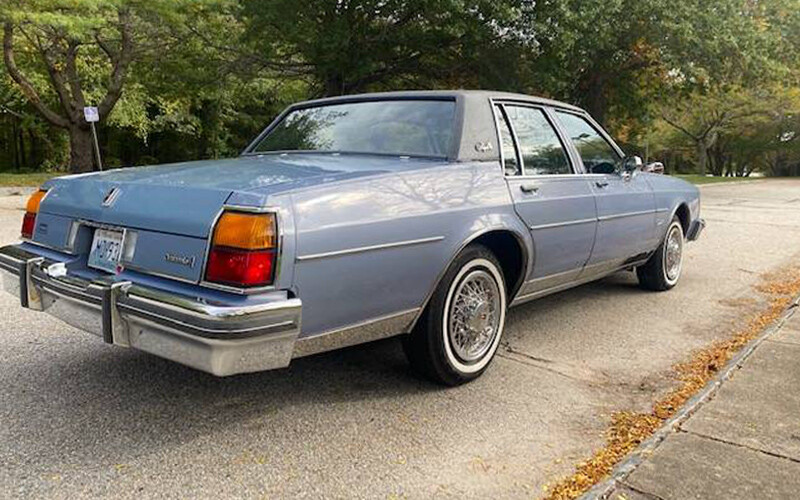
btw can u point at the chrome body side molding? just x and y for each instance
(563, 224)
(626, 214)
(368, 331)
(596, 272)
(371, 248)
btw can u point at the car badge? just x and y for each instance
(183, 260)
(111, 197)
(483, 147)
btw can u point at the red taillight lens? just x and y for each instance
(28, 225)
(240, 267)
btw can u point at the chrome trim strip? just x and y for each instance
(383, 246)
(555, 177)
(550, 276)
(238, 332)
(563, 224)
(566, 286)
(359, 333)
(587, 221)
(622, 216)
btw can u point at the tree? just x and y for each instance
(58, 37)
(617, 57)
(351, 46)
(732, 131)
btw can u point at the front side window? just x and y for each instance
(598, 156)
(541, 149)
(393, 127)
(510, 164)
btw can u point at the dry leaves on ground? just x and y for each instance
(629, 429)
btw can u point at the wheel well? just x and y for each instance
(509, 251)
(684, 217)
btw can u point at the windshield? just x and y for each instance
(400, 127)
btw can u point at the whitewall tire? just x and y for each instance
(461, 328)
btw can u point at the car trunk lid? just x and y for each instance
(187, 211)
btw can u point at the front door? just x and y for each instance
(556, 204)
(626, 228)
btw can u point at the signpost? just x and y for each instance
(92, 116)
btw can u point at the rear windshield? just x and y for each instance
(400, 127)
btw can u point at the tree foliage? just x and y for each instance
(704, 85)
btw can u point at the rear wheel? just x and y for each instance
(457, 336)
(663, 270)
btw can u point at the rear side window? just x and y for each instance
(541, 149)
(598, 156)
(510, 164)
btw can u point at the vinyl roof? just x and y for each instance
(433, 94)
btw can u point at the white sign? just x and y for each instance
(91, 115)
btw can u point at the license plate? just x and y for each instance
(106, 250)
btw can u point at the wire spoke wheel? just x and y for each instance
(673, 254)
(474, 317)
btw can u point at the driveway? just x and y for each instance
(78, 417)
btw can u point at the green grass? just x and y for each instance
(701, 179)
(31, 179)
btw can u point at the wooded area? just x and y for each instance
(702, 86)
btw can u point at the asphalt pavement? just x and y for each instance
(80, 418)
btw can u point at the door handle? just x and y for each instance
(601, 184)
(529, 188)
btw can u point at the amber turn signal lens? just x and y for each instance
(31, 209)
(34, 201)
(245, 231)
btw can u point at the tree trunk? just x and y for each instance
(81, 153)
(702, 157)
(22, 156)
(596, 100)
(14, 144)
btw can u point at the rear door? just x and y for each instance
(625, 202)
(556, 203)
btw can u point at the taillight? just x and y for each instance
(31, 209)
(243, 250)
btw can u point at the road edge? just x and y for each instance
(601, 490)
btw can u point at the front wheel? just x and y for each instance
(663, 270)
(458, 335)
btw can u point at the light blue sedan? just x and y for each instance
(420, 214)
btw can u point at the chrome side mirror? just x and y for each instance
(631, 164)
(654, 168)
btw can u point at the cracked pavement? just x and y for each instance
(78, 417)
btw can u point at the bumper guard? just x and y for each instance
(216, 338)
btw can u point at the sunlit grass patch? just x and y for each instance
(705, 179)
(32, 179)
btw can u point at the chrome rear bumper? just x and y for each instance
(216, 338)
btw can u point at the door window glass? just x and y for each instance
(597, 154)
(510, 166)
(541, 150)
